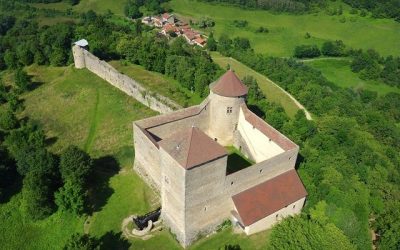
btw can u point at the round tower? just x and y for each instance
(226, 97)
(78, 53)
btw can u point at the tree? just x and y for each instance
(211, 43)
(82, 242)
(8, 120)
(306, 51)
(75, 165)
(132, 9)
(71, 197)
(22, 80)
(10, 59)
(36, 194)
(330, 48)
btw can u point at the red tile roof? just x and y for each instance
(268, 130)
(192, 147)
(229, 85)
(266, 198)
(200, 40)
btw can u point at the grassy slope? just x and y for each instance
(76, 107)
(339, 72)
(273, 93)
(159, 83)
(287, 31)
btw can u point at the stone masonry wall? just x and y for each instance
(84, 58)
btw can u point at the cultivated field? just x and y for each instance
(287, 31)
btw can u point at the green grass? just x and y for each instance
(339, 72)
(236, 160)
(270, 90)
(287, 31)
(159, 83)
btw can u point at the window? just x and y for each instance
(260, 171)
(205, 209)
(229, 110)
(231, 183)
(294, 206)
(276, 217)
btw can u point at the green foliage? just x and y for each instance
(22, 80)
(71, 197)
(75, 165)
(211, 43)
(306, 51)
(206, 22)
(290, 6)
(336, 48)
(262, 29)
(254, 94)
(132, 9)
(37, 195)
(240, 23)
(300, 233)
(8, 120)
(82, 242)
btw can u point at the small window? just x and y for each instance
(236, 125)
(276, 217)
(231, 183)
(294, 206)
(260, 171)
(205, 209)
(215, 139)
(229, 110)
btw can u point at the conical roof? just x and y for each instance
(192, 147)
(229, 85)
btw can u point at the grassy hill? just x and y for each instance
(286, 31)
(338, 71)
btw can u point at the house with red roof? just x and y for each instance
(184, 155)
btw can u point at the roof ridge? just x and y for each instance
(190, 145)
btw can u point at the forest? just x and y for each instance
(349, 159)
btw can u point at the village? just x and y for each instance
(171, 26)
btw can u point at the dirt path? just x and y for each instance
(297, 103)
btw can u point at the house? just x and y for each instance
(199, 41)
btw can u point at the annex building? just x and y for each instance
(184, 155)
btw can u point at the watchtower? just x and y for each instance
(78, 52)
(226, 96)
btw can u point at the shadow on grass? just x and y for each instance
(12, 186)
(236, 163)
(112, 240)
(50, 141)
(104, 168)
(34, 85)
(300, 159)
(256, 110)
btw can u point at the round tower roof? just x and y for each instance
(229, 85)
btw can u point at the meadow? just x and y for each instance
(338, 71)
(77, 107)
(287, 31)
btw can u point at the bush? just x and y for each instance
(240, 23)
(262, 30)
(306, 51)
(75, 165)
(22, 80)
(336, 48)
(8, 120)
(82, 242)
(71, 197)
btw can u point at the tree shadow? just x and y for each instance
(112, 240)
(300, 159)
(50, 141)
(99, 189)
(34, 85)
(11, 188)
(256, 110)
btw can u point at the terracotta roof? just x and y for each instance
(192, 147)
(200, 40)
(229, 85)
(266, 198)
(268, 130)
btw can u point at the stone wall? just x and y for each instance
(84, 58)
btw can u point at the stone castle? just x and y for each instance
(183, 155)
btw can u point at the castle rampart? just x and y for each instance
(84, 58)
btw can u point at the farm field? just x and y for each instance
(339, 72)
(272, 92)
(158, 83)
(287, 31)
(76, 107)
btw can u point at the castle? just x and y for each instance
(183, 155)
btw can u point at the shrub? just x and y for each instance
(306, 51)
